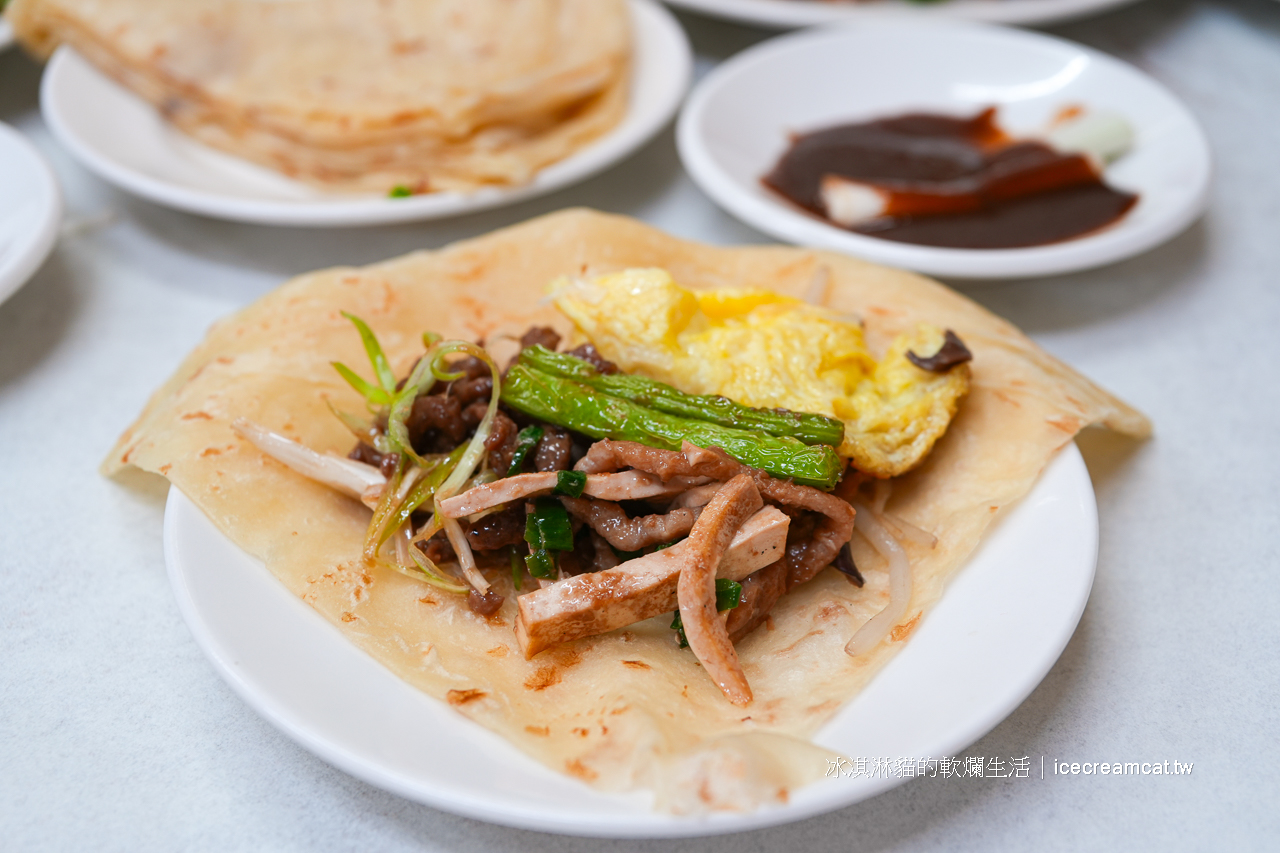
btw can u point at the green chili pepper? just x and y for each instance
(526, 440)
(808, 428)
(560, 401)
(570, 483)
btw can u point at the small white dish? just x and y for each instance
(1001, 625)
(737, 122)
(30, 210)
(125, 141)
(805, 13)
(6, 34)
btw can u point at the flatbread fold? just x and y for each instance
(628, 709)
(362, 97)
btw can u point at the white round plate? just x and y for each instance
(737, 123)
(125, 141)
(805, 13)
(30, 210)
(1001, 625)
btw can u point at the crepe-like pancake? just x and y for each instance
(626, 709)
(449, 94)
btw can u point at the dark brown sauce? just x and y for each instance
(958, 183)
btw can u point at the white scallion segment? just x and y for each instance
(878, 627)
(903, 529)
(816, 292)
(427, 571)
(1101, 135)
(851, 203)
(348, 476)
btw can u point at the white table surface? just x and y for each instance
(115, 734)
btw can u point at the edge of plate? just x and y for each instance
(787, 14)
(650, 19)
(33, 255)
(805, 804)
(774, 218)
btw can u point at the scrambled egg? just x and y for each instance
(763, 349)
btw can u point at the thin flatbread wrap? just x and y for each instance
(362, 97)
(626, 709)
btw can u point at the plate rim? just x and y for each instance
(789, 14)
(1068, 462)
(650, 20)
(16, 272)
(774, 217)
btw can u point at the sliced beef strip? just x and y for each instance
(582, 558)
(760, 592)
(804, 560)
(554, 451)
(437, 412)
(501, 442)
(544, 335)
(498, 530)
(486, 603)
(368, 455)
(631, 534)
(468, 391)
(438, 549)
(588, 353)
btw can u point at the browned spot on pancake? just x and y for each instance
(429, 599)
(792, 647)
(994, 508)
(164, 469)
(620, 710)
(832, 610)
(566, 657)
(904, 630)
(628, 637)
(224, 359)
(358, 593)
(349, 617)
(768, 622)
(211, 451)
(823, 707)
(575, 767)
(462, 697)
(581, 732)
(543, 678)
(496, 621)
(783, 795)
(636, 664)
(684, 691)
(540, 731)
(498, 651)
(1065, 423)
(1008, 399)
(193, 416)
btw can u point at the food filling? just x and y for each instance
(612, 495)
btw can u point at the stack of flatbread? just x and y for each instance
(362, 97)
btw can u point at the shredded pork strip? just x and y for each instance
(629, 485)
(639, 589)
(696, 591)
(631, 534)
(804, 559)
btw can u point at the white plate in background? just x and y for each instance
(124, 140)
(6, 34)
(804, 13)
(1003, 622)
(30, 210)
(738, 120)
